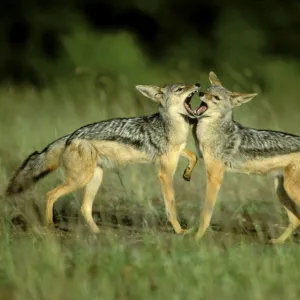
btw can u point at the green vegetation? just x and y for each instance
(120, 264)
(137, 256)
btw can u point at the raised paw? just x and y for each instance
(187, 175)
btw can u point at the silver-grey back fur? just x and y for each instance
(148, 134)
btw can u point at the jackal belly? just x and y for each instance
(113, 154)
(261, 165)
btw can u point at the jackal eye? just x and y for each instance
(179, 89)
(217, 97)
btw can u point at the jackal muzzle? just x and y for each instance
(187, 102)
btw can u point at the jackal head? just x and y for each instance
(173, 98)
(217, 100)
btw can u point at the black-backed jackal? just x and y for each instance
(226, 145)
(159, 138)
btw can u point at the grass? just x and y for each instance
(137, 256)
(120, 264)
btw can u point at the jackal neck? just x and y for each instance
(218, 122)
(217, 136)
(177, 126)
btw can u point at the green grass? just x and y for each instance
(120, 264)
(137, 255)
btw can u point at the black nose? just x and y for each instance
(201, 94)
(197, 84)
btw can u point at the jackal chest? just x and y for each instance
(210, 147)
(206, 138)
(176, 148)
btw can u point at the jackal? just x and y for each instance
(226, 145)
(159, 138)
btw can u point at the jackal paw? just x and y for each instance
(50, 225)
(186, 231)
(186, 176)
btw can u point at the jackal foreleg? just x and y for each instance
(214, 177)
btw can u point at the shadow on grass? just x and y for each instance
(134, 220)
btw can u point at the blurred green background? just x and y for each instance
(44, 42)
(64, 64)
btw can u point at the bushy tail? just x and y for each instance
(36, 166)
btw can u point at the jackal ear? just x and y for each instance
(151, 91)
(237, 98)
(214, 80)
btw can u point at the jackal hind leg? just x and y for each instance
(288, 193)
(90, 192)
(166, 169)
(80, 163)
(192, 160)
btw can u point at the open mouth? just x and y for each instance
(187, 104)
(201, 109)
(194, 112)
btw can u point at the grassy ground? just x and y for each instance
(137, 256)
(149, 264)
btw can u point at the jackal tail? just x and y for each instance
(36, 166)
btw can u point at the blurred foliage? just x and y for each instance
(46, 41)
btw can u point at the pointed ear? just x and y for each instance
(214, 79)
(153, 92)
(239, 99)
